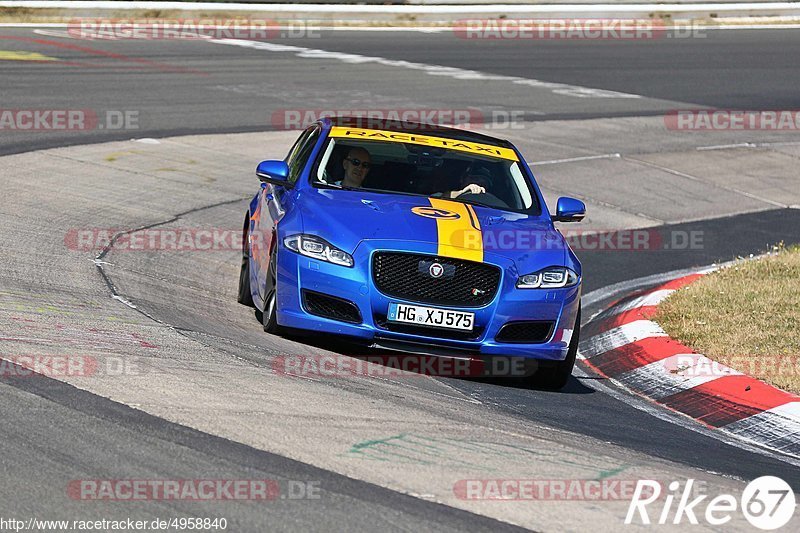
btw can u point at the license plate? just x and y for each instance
(431, 316)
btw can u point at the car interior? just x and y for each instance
(414, 169)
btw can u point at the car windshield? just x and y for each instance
(424, 165)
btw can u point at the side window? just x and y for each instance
(297, 144)
(298, 157)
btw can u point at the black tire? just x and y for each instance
(245, 297)
(556, 377)
(269, 318)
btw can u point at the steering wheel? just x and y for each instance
(485, 198)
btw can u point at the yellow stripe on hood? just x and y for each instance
(459, 238)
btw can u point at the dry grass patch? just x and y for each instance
(746, 317)
(26, 14)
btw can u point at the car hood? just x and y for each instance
(347, 218)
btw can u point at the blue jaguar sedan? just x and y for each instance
(417, 238)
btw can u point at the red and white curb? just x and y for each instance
(624, 345)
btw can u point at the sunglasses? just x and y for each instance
(358, 162)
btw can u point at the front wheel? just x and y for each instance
(555, 378)
(245, 297)
(269, 318)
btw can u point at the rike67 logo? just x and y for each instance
(767, 503)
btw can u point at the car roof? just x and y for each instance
(435, 130)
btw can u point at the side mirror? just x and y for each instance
(569, 210)
(273, 171)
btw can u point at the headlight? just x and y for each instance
(548, 278)
(318, 248)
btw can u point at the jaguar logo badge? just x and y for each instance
(477, 292)
(436, 270)
(432, 212)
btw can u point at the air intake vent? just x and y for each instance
(529, 332)
(331, 307)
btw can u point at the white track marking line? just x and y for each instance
(779, 143)
(66, 35)
(751, 27)
(632, 285)
(725, 146)
(574, 159)
(433, 70)
(707, 182)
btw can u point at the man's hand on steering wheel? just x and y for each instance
(472, 188)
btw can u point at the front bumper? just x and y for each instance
(297, 272)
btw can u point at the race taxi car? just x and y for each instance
(417, 238)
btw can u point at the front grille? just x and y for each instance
(331, 307)
(525, 332)
(462, 284)
(441, 333)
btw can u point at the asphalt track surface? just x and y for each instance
(185, 88)
(54, 432)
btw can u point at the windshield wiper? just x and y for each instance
(323, 185)
(479, 204)
(472, 202)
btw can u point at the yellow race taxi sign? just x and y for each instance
(425, 140)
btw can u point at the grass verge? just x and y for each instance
(746, 316)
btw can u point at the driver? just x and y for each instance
(473, 181)
(356, 166)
